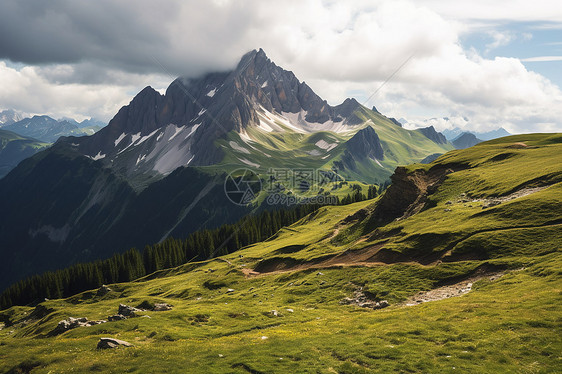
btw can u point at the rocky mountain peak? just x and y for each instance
(366, 143)
(432, 134)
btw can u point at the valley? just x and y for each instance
(293, 301)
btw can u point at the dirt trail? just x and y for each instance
(492, 201)
(452, 290)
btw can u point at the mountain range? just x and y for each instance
(48, 129)
(455, 132)
(9, 116)
(22, 136)
(157, 169)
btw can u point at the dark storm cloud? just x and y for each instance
(126, 35)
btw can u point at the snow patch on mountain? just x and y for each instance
(245, 137)
(140, 158)
(121, 137)
(192, 130)
(325, 145)
(274, 122)
(135, 137)
(99, 156)
(177, 131)
(238, 147)
(146, 137)
(249, 163)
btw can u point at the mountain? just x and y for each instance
(465, 140)
(45, 128)
(493, 134)
(9, 116)
(158, 168)
(468, 254)
(365, 144)
(15, 148)
(451, 134)
(429, 159)
(256, 115)
(92, 123)
(433, 135)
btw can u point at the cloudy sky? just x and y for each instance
(481, 63)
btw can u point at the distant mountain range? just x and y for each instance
(158, 168)
(453, 133)
(48, 129)
(9, 116)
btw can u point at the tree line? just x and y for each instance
(134, 264)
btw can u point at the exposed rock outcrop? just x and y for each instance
(72, 323)
(364, 299)
(107, 343)
(103, 290)
(409, 191)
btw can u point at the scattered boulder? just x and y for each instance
(382, 304)
(72, 323)
(106, 343)
(154, 307)
(116, 317)
(364, 300)
(161, 307)
(449, 202)
(491, 203)
(128, 311)
(272, 313)
(103, 290)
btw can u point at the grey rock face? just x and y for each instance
(127, 311)
(72, 323)
(432, 134)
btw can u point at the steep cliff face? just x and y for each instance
(408, 194)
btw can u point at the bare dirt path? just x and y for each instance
(452, 290)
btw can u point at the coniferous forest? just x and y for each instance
(134, 264)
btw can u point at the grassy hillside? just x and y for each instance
(261, 150)
(14, 148)
(487, 218)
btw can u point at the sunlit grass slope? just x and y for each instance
(511, 324)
